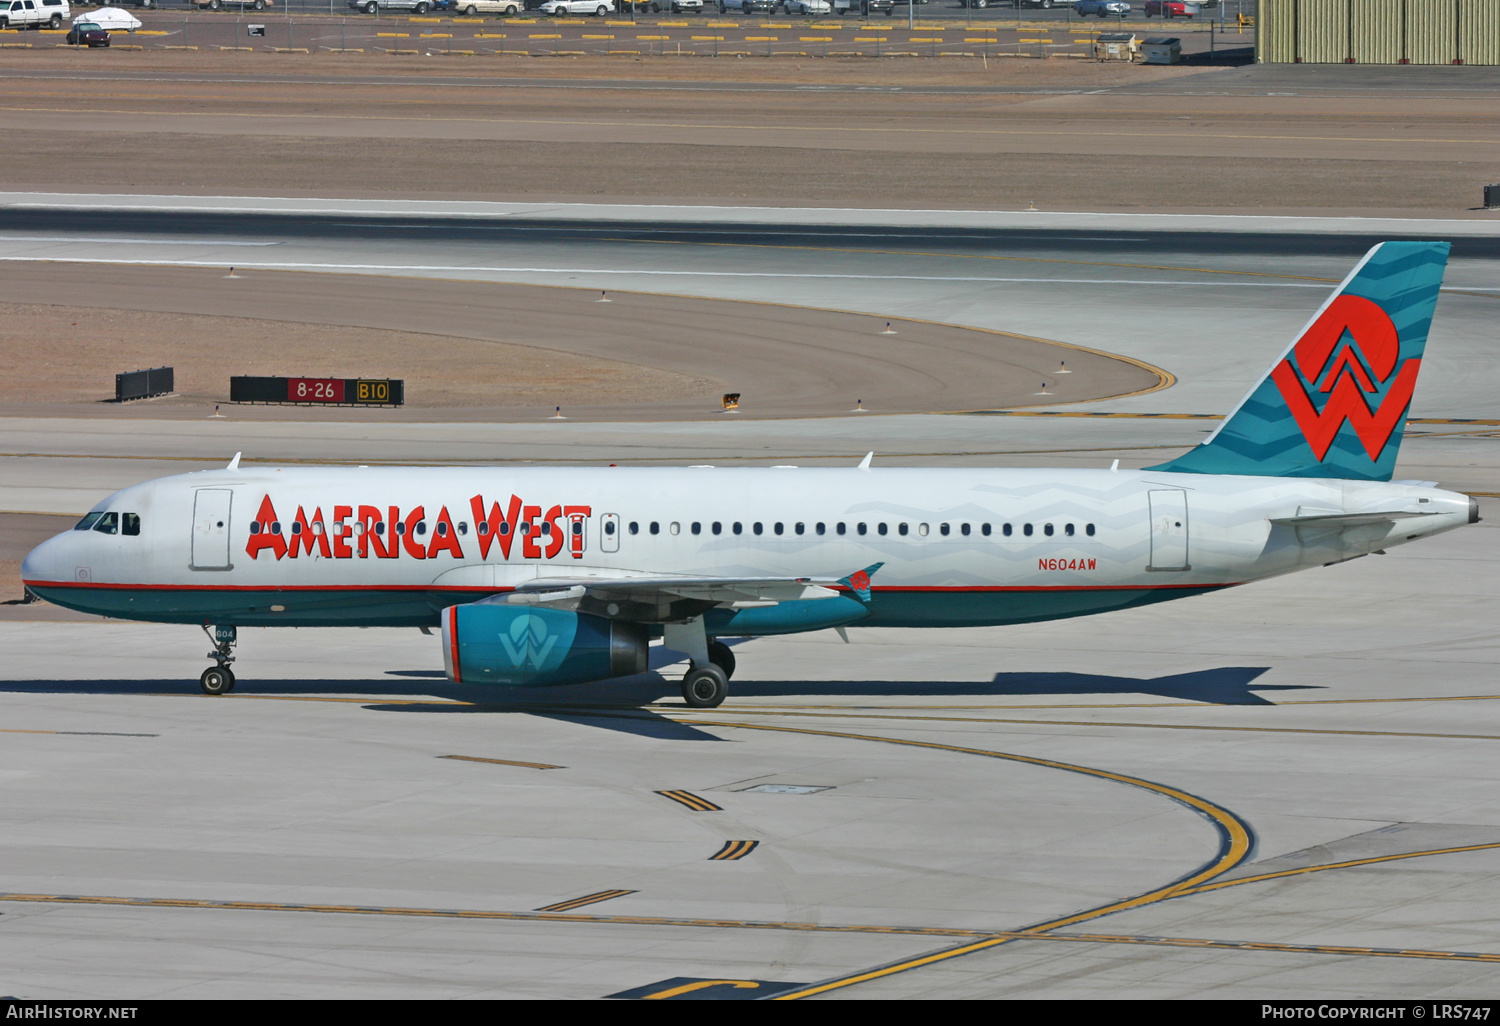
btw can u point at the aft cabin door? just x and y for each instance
(1169, 530)
(211, 529)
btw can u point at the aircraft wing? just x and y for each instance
(735, 592)
(706, 589)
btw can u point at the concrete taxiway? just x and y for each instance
(1281, 790)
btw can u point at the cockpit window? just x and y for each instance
(109, 523)
(130, 523)
(88, 521)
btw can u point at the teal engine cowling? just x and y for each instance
(495, 643)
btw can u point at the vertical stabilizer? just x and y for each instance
(1334, 404)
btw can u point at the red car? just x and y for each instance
(1170, 8)
(86, 33)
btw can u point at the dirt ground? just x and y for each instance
(491, 352)
(1064, 135)
(63, 354)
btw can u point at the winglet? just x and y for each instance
(859, 581)
(234, 464)
(864, 464)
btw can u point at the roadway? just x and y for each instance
(1280, 790)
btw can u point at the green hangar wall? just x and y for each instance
(1378, 32)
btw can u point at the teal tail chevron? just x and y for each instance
(1335, 402)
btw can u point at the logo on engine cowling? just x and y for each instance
(528, 640)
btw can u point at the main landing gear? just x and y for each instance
(706, 684)
(218, 679)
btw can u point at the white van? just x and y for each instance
(33, 14)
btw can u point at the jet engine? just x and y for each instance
(496, 643)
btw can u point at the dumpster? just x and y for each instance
(1115, 46)
(1162, 50)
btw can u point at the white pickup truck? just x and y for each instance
(33, 14)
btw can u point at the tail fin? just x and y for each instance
(1335, 402)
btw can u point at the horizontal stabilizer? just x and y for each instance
(1341, 520)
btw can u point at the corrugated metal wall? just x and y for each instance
(1479, 31)
(1276, 32)
(1323, 31)
(1378, 31)
(1431, 31)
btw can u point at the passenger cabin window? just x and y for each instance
(1047, 530)
(901, 529)
(860, 528)
(674, 527)
(739, 528)
(779, 527)
(839, 528)
(1026, 530)
(718, 527)
(985, 530)
(758, 527)
(820, 529)
(635, 527)
(109, 523)
(655, 527)
(881, 528)
(1068, 530)
(1089, 530)
(800, 527)
(697, 527)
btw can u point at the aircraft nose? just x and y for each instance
(47, 561)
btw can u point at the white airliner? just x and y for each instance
(556, 576)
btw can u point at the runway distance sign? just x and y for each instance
(328, 391)
(315, 390)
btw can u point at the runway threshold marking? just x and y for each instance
(503, 762)
(734, 851)
(691, 800)
(587, 899)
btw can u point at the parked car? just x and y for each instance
(376, 6)
(111, 19)
(473, 7)
(747, 6)
(219, 5)
(86, 33)
(664, 6)
(33, 14)
(561, 8)
(864, 7)
(1103, 8)
(1171, 9)
(813, 7)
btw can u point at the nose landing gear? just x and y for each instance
(218, 679)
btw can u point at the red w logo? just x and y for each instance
(1345, 379)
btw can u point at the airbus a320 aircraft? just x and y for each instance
(557, 576)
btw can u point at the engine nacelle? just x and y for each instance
(495, 643)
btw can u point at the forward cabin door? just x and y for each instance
(211, 529)
(1169, 530)
(609, 532)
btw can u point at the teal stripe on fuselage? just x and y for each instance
(419, 607)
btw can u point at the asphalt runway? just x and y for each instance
(1285, 790)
